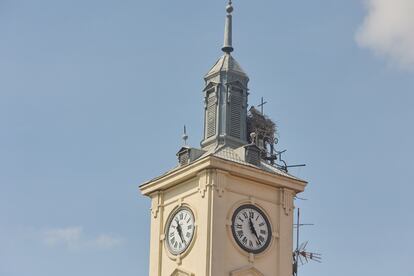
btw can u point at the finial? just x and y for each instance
(185, 136)
(229, 7)
(227, 47)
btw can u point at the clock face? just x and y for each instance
(251, 229)
(180, 230)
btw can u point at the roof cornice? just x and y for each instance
(190, 171)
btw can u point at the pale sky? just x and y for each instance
(94, 94)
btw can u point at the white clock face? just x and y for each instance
(180, 230)
(251, 229)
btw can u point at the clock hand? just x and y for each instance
(179, 230)
(253, 230)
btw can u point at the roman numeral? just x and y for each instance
(240, 233)
(188, 234)
(244, 240)
(245, 215)
(189, 226)
(261, 224)
(251, 214)
(250, 243)
(263, 232)
(238, 226)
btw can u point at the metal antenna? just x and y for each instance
(185, 136)
(275, 155)
(296, 253)
(300, 255)
(285, 166)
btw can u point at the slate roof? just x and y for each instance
(230, 154)
(225, 64)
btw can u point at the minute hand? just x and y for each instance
(253, 230)
(180, 233)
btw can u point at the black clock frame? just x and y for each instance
(233, 230)
(167, 226)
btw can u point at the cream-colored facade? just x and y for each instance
(233, 169)
(213, 188)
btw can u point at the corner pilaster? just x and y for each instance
(157, 201)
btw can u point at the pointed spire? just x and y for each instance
(227, 47)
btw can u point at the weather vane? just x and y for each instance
(185, 136)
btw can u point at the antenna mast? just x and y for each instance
(300, 255)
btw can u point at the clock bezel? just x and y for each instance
(267, 221)
(167, 226)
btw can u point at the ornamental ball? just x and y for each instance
(229, 8)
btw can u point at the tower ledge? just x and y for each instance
(225, 160)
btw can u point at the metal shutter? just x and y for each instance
(211, 116)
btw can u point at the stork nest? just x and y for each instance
(260, 124)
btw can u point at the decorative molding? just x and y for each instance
(251, 258)
(252, 200)
(178, 260)
(179, 272)
(204, 182)
(246, 271)
(238, 84)
(180, 201)
(287, 200)
(212, 179)
(220, 183)
(210, 85)
(212, 88)
(156, 203)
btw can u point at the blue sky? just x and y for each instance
(94, 94)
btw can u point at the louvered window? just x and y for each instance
(211, 115)
(236, 102)
(183, 158)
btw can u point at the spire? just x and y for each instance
(225, 98)
(227, 47)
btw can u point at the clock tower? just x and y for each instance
(225, 209)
